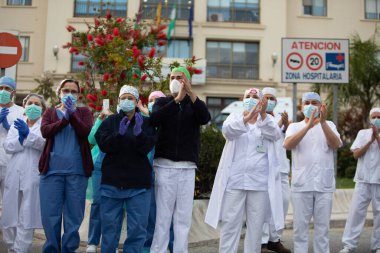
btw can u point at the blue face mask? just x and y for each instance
(249, 103)
(33, 112)
(271, 105)
(150, 106)
(73, 98)
(308, 110)
(376, 122)
(127, 105)
(5, 97)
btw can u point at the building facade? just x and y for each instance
(240, 40)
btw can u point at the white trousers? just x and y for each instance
(306, 205)
(2, 184)
(235, 203)
(269, 230)
(363, 194)
(18, 239)
(174, 199)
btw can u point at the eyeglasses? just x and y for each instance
(67, 91)
(7, 88)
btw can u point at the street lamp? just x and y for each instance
(274, 58)
(55, 51)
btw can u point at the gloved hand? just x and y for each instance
(23, 130)
(124, 123)
(70, 108)
(138, 123)
(3, 118)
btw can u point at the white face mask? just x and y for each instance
(175, 86)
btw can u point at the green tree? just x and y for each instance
(45, 87)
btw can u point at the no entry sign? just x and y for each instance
(315, 60)
(10, 50)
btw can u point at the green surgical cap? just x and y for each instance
(183, 70)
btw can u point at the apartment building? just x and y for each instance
(240, 40)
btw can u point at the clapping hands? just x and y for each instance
(23, 130)
(138, 123)
(3, 118)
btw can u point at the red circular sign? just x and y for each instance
(10, 50)
(314, 61)
(294, 61)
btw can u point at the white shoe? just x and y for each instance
(346, 250)
(91, 249)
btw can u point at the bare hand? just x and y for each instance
(181, 94)
(253, 113)
(323, 114)
(312, 120)
(285, 119)
(375, 133)
(263, 109)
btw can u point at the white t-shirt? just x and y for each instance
(249, 168)
(15, 112)
(368, 168)
(312, 159)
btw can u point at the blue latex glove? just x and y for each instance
(138, 123)
(23, 130)
(3, 118)
(70, 108)
(124, 123)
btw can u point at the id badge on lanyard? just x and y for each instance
(260, 148)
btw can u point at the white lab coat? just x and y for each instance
(237, 128)
(22, 175)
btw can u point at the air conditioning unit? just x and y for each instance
(215, 17)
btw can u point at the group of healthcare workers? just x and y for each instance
(143, 162)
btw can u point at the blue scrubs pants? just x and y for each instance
(94, 229)
(111, 212)
(62, 196)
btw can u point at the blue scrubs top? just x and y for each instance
(65, 157)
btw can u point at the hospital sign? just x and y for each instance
(315, 60)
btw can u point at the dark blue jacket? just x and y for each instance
(126, 164)
(179, 128)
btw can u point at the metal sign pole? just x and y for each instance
(2, 72)
(335, 120)
(294, 102)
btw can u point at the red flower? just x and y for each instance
(143, 78)
(193, 59)
(104, 93)
(162, 43)
(97, 22)
(80, 97)
(99, 42)
(81, 90)
(141, 61)
(161, 36)
(152, 52)
(190, 69)
(73, 50)
(119, 20)
(92, 105)
(108, 16)
(92, 97)
(70, 28)
(198, 71)
(116, 32)
(135, 52)
(89, 37)
(135, 76)
(109, 37)
(122, 75)
(98, 108)
(161, 27)
(106, 76)
(80, 63)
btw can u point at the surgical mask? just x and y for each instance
(150, 106)
(271, 105)
(5, 97)
(175, 86)
(308, 110)
(127, 105)
(33, 111)
(73, 98)
(376, 122)
(249, 103)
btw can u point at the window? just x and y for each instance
(216, 104)
(24, 40)
(75, 59)
(315, 7)
(176, 48)
(85, 8)
(233, 11)
(19, 2)
(149, 9)
(233, 60)
(372, 9)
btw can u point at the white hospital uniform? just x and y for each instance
(367, 189)
(313, 184)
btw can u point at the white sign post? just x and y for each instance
(315, 60)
